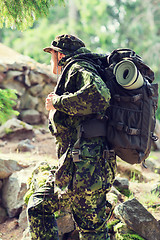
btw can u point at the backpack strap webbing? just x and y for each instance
(134, 98)
(60, 84)
(90, 129)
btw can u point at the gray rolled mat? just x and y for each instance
(127, 75)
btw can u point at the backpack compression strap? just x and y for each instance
(90, 129)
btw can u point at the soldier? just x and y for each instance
(84, 175)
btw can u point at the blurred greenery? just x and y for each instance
(21, 14)
(102, 25)
(7, 102)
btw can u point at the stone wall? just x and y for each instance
(33, 82)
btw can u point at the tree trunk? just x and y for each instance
(72, 16)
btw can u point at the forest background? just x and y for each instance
(29, 26)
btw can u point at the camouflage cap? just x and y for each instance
(65, 44)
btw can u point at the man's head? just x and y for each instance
(66, 44)
(61, 46)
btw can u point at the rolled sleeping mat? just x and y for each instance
(127, 75)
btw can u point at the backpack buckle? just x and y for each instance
(154, 137)
(117, 97)
(131, 131)
(109, 154)
(136, 98)
(76, 155)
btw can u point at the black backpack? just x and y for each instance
(131, 115)
(130, 119)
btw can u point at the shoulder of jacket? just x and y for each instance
(81, 65)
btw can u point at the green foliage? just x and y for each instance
(149, 199)
(136, 176)
(21, 14)
(129, 237)
(7, 102)
(8, 130)
(59, 213)
(111, 224)
(125, 192)
(32, 41)
(124, 233)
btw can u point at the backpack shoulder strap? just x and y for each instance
(80, 58)
(61, 81)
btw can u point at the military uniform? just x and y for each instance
(82, 184)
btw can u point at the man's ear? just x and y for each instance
(60, 55)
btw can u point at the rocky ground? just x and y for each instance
(44, 150)
(140, 185)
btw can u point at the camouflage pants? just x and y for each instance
(86, 198)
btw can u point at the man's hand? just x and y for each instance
(49, 102)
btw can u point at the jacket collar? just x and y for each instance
(65, 60)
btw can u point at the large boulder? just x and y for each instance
(14, 190)
(31, 116)
(7, 167)
(28, 102)
(121, 183)
(15, 128)
(139, 219)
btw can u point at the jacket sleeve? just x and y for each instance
(92, 96)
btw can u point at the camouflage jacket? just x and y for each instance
(83, 95)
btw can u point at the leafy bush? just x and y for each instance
(7, 102)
